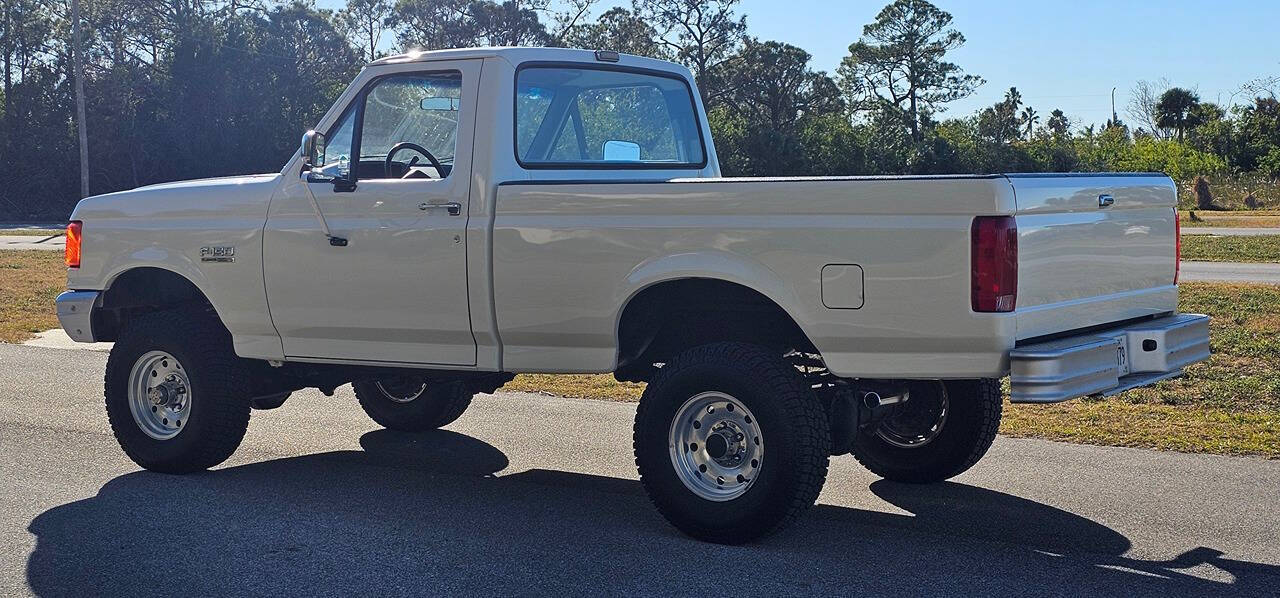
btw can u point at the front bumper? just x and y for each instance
(1108, 362)
(75, 314)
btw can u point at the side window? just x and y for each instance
(336, 158)
(568, 117)
(409, 128)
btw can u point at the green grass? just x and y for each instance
(31, 232)
(1229, 404)
(1208, 248)
(29, 281)
(1254, 219)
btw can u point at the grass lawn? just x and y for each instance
(1228, 405)
(29, 280)
(31, 232)
(1208, 248)
(1235, 219)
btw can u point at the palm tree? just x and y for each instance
(1030, 119)
(1177, 110)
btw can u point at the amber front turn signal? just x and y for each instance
(73, 243)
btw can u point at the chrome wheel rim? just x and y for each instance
(716, 446)
(401, 390)
(159, 395)
(918, 421)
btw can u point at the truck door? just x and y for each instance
(392, 285)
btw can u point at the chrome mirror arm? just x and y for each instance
(315, 206)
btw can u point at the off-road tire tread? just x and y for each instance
(990, 404)
(223, 376)
(807, 421)
(446, 408)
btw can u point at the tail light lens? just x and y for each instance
(994, 264)
(72, 251)
(1177, 245)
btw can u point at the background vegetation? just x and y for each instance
(180, 89)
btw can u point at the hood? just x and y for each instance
(186, 199)
(237, 179)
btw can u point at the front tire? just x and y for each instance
(730, 443)
(946, 431)
(175, 392)
(411, 405)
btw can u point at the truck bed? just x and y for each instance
(875, 270)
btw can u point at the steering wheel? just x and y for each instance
(404, 145)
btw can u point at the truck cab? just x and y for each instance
(462, 216)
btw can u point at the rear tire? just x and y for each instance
(412, 406)
(729, 490)
(176, 394)
(969, 424)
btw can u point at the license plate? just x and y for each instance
(1122, 360)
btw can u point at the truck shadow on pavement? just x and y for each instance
(425, 514)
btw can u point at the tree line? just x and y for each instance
(181, 89)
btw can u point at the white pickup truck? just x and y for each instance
(462, 216)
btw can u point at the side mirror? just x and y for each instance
(621, 151)
(312, 150)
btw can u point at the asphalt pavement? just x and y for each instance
(1230, 231)
(1267, 273)
(532, 495)
(55, 241)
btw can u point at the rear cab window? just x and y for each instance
(585, 116)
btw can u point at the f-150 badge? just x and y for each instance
(217, 254)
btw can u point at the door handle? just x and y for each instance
(455, 208)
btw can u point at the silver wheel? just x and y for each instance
(918, 421)
(159, 395)
(716, 446)
(401, 390)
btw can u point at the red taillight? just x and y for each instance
(72, 251)
(1177, 244)
(994, 264)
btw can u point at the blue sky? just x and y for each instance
(1059, 54)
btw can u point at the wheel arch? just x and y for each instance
(144, 289)
(671, 308)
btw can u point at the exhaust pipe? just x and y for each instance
(875, 399)
(860, 407)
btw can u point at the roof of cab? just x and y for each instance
(517, 55)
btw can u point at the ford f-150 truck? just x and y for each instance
(462, 216)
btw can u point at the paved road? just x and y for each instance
(537, 495)
(54, 242)
(1230, 272)
(1230, 231)
(52, 226)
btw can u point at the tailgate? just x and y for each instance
(1093, 249)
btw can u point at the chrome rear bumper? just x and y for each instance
(75, 314)
(1108, 362)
